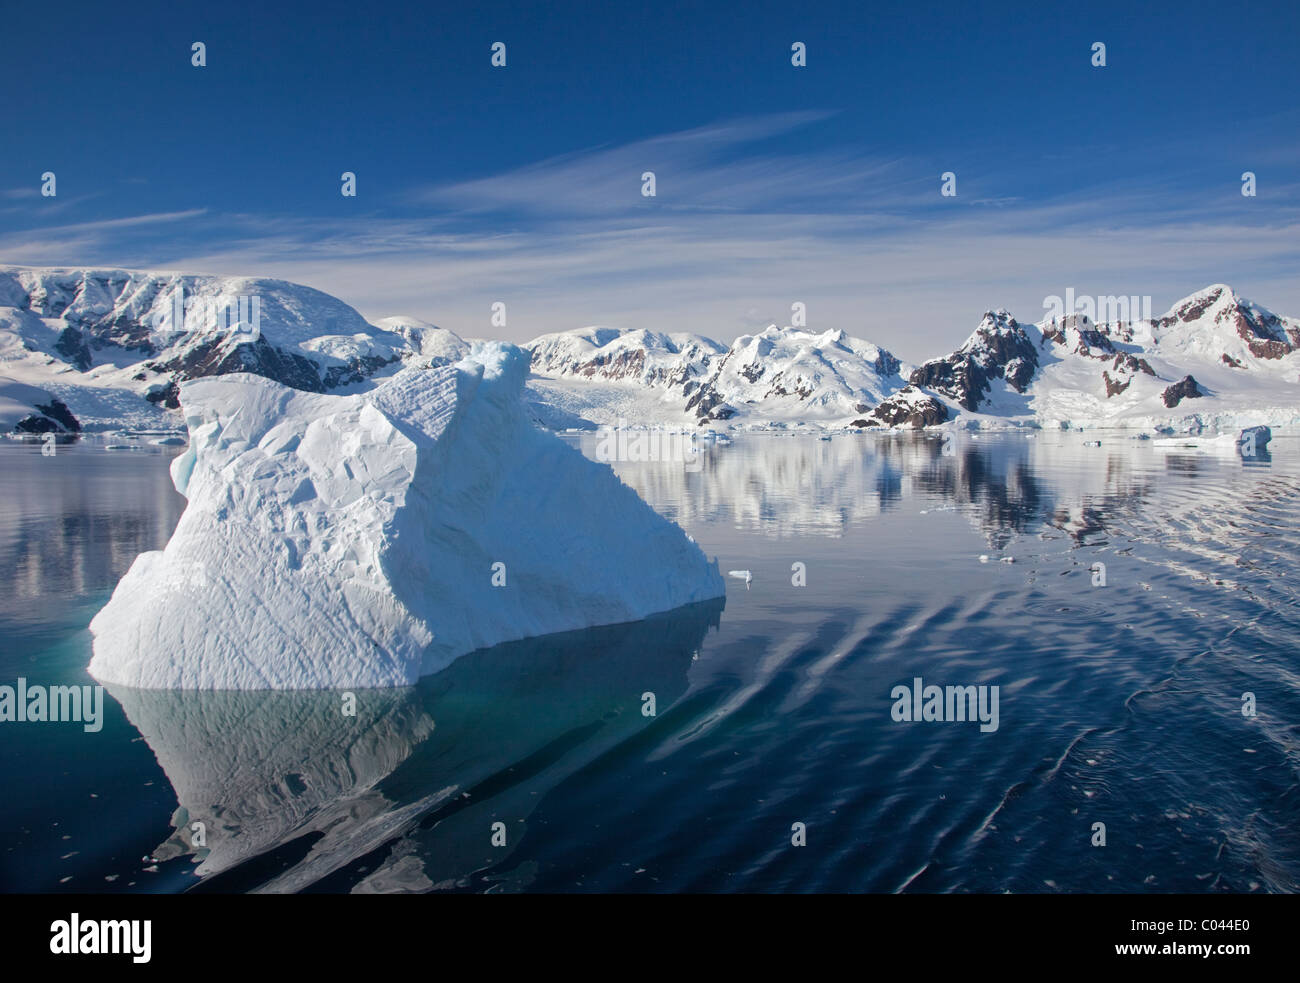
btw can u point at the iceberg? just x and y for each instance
(333, 542)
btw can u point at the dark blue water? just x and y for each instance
(1119, 703)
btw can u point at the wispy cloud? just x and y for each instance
(750, 216)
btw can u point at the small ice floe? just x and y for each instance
(1249, 442)
(1008, 559)
(744, 575)
(169, 441)
(984, 558)
(722, 440)
(1092, 443)
(824, 436)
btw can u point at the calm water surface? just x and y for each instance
(1119, 704)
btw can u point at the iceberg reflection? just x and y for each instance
(294, 794)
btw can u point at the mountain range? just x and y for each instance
(106, 349)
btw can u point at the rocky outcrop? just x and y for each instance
(1115, 386)
(1185, 388)
(1000, 348)
(51, 417)
(909, 407)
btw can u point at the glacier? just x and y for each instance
(365, 540)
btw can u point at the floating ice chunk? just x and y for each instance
(365, 540)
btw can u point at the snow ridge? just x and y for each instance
(100, 347)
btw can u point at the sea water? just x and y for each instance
(1132, 608)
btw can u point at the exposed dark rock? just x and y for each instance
(803, 388)
(1190, 311)
(887, 364)
(1131, 363)
(167, 395)
(219, 357)
(703, 401)
(357, 370)
(1263, 333)
(1185, 388)
(1090, 338)
(1114, 386)
(907, 407)
(1000, 348)
(51, 417)
(72, 346)
(628, 362)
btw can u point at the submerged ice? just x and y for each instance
(366, 540)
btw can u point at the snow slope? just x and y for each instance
(351, 541)
(780, 374)
(114, 344)
(112, 347)
(1214, 360)
(27, 409)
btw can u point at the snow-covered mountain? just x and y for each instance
(107, 348)
(780, 374)
(113, 344)
(647, 358)
(1214, 359)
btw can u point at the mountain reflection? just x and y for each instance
(1008, 484)
(70, 525)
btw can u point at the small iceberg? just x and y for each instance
(1249, 442)
(369, 539)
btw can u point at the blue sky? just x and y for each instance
(775, 184)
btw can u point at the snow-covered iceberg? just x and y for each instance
(369, 539)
